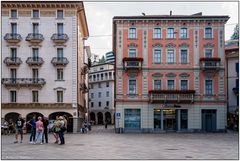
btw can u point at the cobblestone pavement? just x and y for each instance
(105, 144)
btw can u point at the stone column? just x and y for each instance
(179, 119)
(162, 119)
(75, 124)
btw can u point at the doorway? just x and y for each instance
(209, 120)
(169, 119)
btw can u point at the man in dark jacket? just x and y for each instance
(45, 133)
(32, 123)
(19, 128)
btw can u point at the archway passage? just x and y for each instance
(92, 118)
(30, 116)
(100, 118)
(12, 116)
(108, 117)
(69, 118)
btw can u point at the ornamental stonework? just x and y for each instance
(5, 13)
(24, 13)
(48, 13)
(69, 13)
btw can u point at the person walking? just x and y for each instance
(19, 128)
(60, 130)
(11, 126)
(32, 123)
(39, 130)
(45, 132)
(55, 132)
(65, 121)
(106, 123)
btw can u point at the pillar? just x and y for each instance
(162, 119)
(75, 124)
(178, 119)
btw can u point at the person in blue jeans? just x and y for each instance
(60, 132)
(32, 123)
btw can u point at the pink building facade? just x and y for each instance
(169, 73)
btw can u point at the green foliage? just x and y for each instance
(235, 35)
(102, 60)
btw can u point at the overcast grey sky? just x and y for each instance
(99, 17)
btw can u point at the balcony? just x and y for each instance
(59, 38)
(132, 63)
(171, 96)
(12, 38)
(84, 70)
(210, 63)
(34, 38)
(12, 61)
(236, 90)
(83, 88)
(34, 61)
(23, 82)
(59, 61)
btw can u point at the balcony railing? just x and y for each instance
(59, 38)
(12, 38)
(210, 63)
(34, 38)
(84, 70)
(171, 96)
(34, 61)
(59, 61)
(23, 82)
(12, 61)
(132, 63)
(84, 88)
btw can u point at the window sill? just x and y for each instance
(59, 80)
(35, 18)
(13, 18)
(174, 63)
(211, 38)
(132, 38)
(59, 19)
(157, 63)
(170, 39)
(184, 63)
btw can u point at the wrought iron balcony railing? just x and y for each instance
(210, 63)
(132, 63)
(23, 82)
(171, 96)
(12, 38)
(12, 61)
(34, 38)
(84, 88)
(59, 61)
(59, 38)
(34, 61)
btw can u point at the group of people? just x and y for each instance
(39, 129)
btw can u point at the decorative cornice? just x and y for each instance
(184, 75)
(132, 75)
(132, 45)
(173, 91)
(157, 45)
(171, 75)
(170, 45)
(157, 75)
(184, 45)
(36, 106)
(59, 88)
(208, 45)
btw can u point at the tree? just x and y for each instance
(102, 60)
(235, 35)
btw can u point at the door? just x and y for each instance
(13, 54)
(209, 120)
(35, 75)
(60, 28)
(35, 28)
(35, 54)
(14, 28)
(169, 119)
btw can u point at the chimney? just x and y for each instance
(170, 13)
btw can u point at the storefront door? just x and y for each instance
(169, 119)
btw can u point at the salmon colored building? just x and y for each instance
(170, 73)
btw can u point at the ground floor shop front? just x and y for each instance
(162, 118)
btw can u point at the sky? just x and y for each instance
(99, 17)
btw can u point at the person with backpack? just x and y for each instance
(19, 128)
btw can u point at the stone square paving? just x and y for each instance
(105, 144)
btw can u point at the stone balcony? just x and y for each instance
(34, 61)
(34, 38)
(132, 63)
(23, 82)
(171, 96)
(83, 88)
(60, 61)
(12, 61)
(209, 64)
(13, 38)
(59, 38)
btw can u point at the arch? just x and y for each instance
(100, 118)
(92, 117)
(30, 116)
(108, 117)
(69, 118)
(12, 115)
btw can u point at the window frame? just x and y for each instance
(129, 49)
(180, 85)
(11, 13)
(15, 98)
(157, 49)
(132, 79)
(132, 34)
(159, 34)
(33, 14)
(205, 49)
(169, 33)
(167, 60)
(205, 87)
(157, 79)
(205, 32)
(61, 78)
(62, 14)
(60, 99)
(180, 55)
(174, 84)
(181, 34)
(35, 99)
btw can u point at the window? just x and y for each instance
(132, 53)
(101, 76)
(208, 53)
(184, 84)
(132, 86)
(59, 96)
(170, 56)
(183, 33)
(59, 13)
(13, 52)
(14, 28)
(60, 53)
(94, 77)
(13, 73)
(237, 67)
(13, 13)
(35, 14)
(35, 54)
(34, 96)
(13, 96)
(170, 33)
(35, 73)
(184, 119)
(101, 68)
(157, 56)
(107, 84)
(98, 77)
(107, 103)
(170, 84)
(99, 104)
(107, 94)
(92, 95)
(99, 94)
(132, 33)
(99, 85)
(60, 28)
(157, 33)
(59, 74)
(157, 84)
(92, 104)
(35, 28)
(184, 58)
(208, 87)
(208, 32)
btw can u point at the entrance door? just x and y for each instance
(209, 120)
(169, 119)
